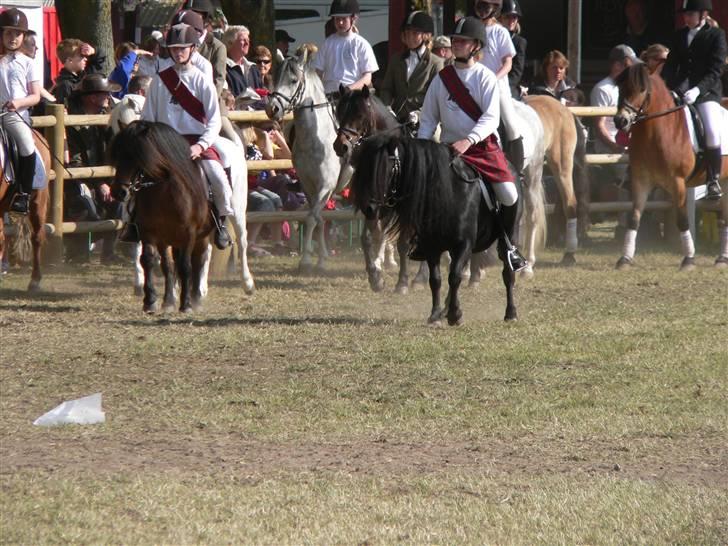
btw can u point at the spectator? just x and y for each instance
(409, 74)
(264, 61)
(655, 57)
(90, 199)
(345, 57)
(442, 47)
(30, 49)
(130, 107)
(553, 80)
(510, 18)
(210, 47)
(126, 55)
(241, 73)
(283, 42)
(79, 59)
(640, 32)
(149, 65)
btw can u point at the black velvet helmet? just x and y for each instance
(344, 7)
(181, 35)
(696, 5)
(419, 20)
(470, 28)
(511, 7)
(15, 19)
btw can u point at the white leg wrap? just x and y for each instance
(724, 241)
(688, 247)
(572, 241)
(221, 192)
(630, 243)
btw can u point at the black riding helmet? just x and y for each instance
(696, 5)
(511, 7)
(482, 3)
(470, 28)
(181, 35)
(15, 19)
(343, 8)
(419, 20)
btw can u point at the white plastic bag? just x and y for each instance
(83, 411)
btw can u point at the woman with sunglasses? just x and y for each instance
(264, 61)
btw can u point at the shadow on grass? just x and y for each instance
(40, 308)
(20, 294)
(259, 321)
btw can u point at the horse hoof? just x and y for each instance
(568, 260)
(688, 264)
(721, 262)
(624, 263)
(186, 310)
(512, 318)
(305, 269)
(526, 273)
(151, 308)
(457, 321)
(168, 308)
(34, 287)
(401, 289)
(138, 291)
(435, 323)
(249, 288)
(474, 284)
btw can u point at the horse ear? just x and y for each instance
(344, 90)
(303, 56)
(365, 91)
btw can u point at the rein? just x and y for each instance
(141, 182)
(640, 113)
(392, 197)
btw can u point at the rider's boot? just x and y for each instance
(507, 219)
(714, 162)
(222, 237)
(516, 154)
(26, 173)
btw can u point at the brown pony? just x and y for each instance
(37, 212)
(169, 205)
(660, 155)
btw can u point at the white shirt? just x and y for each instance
(693, 31)
(344, 60)
(196, 60)
(160, 107)
(17, 72)
(413, 59)
(605, 93)
(456, 124)
(498, 44)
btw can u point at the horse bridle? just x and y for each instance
(640, 114)
(293, 102)
(392, 197)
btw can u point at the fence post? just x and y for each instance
(56, 136)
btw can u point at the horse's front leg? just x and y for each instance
(402, 286)
(722, 260)
(306, 264)
(138, 271)
(147, 263)
(509, 279)
(183, 259)
(433, 264)
(460, 257)
(640, 191)
(374, 271)
(200, 255)
(36, 217)
(167, 263)
(679, 196)
(240, 206)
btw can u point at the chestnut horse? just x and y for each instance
(37, 212)
(661, 155)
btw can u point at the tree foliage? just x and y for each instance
(90, 21)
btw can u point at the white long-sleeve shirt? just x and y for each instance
(456, 124)
(160, 106)
(195, 60)
(498, 45)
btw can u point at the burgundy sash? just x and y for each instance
(488, 159)
(189, 103)
(209, 154)
(459, 93)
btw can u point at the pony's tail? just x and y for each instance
(535, 218)
(581, 179)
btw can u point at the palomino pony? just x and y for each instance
(299, 89)
(170, 207)
(38, 207)
(410, 186)
(661, 154)
(128, 111)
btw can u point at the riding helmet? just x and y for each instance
(470, 28)
(181, 35)
(696, 5)
(511, 7)
(191, 18)
(202, 6)
(15, 19)
(343, 8)
(499, 5)
(420, 21)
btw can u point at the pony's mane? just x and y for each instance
(159, 152)
(426, 201)
(351, 103)
(292, 66)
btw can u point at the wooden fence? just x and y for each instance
(55, 129)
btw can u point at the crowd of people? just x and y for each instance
(463, 83)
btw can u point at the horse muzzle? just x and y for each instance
(274, 110)
(342, 146)
(623, 120)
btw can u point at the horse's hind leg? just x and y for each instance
(373, 267)
(167, 263)
(722, 260)
(460, 258)
(240, 204)
(183, 259)
(433, 264)
(509, 278)
(402, 286)
(683, 224)
(640, 191)
(138, 271)
(147, 262)
(199, 255)
(36, 216)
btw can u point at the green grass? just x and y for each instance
(319, 412)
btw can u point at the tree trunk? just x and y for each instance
(90, 21)
(257, 15)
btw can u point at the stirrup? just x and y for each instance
(21, 203)
(713, 190)
(222, 237)
(516, 262)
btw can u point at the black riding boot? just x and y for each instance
(516, 154)
(714, 161)
(507, 219)
(26, 173)
(222, 237)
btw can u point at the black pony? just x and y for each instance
(168, 198)
(409, 184)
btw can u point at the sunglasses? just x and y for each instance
(263, 61)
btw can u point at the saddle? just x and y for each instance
(467, 173)
(698, 126)
(9, 156)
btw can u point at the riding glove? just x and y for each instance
(691, 95)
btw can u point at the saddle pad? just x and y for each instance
(40, 180)
(723, 129)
